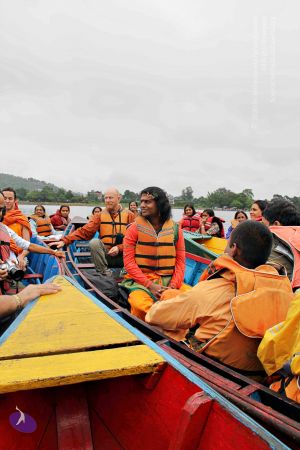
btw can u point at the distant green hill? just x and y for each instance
(30, 184)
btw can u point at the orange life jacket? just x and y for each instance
(190, 223)
(110, 228)
(289, 387)
(155, 252)
(43, 225)
(262, 300)
(290, 236)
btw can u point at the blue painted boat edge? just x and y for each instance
(242, 417)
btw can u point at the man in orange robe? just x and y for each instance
(154, 254)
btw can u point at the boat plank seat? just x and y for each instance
(82, 244)
(85, 266)
(81, 254)
(70, 368)
(48, 342)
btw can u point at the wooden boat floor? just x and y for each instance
(67, 338)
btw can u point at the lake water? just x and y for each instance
(84, 211)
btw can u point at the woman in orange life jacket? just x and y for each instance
(257, 209)
(210, 224)
(190, 220)
(133, 207)
(95, 212)
(283, 219)
(240, 216)
(40, 222)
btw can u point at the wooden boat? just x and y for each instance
(279, 414)
(202, 245)
(75, 375)
(41, 266)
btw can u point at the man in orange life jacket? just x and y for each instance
(283, 219)
(154, 254)
(111, 223)
(239, 298)
(15, 219)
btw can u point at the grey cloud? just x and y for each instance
(149, 92)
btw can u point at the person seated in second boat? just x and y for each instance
(210, 224)
(111, 223)
(154, 254)
(134, 208)
(238, 298)
(240, 216)
(40, 223)
(257, 209)
(95, 212)
(60, 220)
(283, 218)
(190, 220)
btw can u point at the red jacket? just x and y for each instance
(59, 222)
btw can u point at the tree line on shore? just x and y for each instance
(221, 198)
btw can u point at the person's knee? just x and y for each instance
(96, 245)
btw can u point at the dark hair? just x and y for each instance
(133, 201)
(162, 201)
(254, 240)
(240, 212)
(189, 205)
(209, 211)
(283, 211)
(262, 204)
(9, 189)
(40, 206)
(96, 207)
(64, 206)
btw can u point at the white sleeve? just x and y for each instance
(33, 227)
(22, 243)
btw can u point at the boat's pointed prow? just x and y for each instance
(67, 338)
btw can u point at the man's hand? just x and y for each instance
(60, 254)
(57, 244)
(114, 251)
(3, 274)
(33, 291)
(157, 289)
(22, 262)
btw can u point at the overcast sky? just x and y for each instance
(135, 93)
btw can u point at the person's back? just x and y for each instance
(238, 298)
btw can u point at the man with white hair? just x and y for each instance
(111, 223)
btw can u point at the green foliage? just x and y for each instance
(36, 191)
(30, 184)
(187, 194)
(129, 196)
